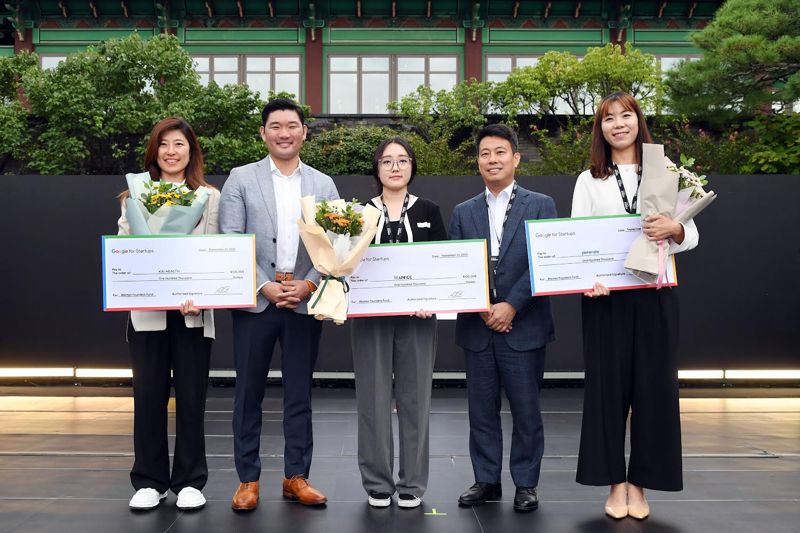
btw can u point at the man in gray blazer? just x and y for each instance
(505, 347)
(264, 198)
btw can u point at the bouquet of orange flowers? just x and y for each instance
(340, 221)
(336, 235)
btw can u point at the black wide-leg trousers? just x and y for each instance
(630, 356)
(186, 353)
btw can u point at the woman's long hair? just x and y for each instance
(601, 164)
(194, 173)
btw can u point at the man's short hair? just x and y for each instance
(498, 130)
(282, 104)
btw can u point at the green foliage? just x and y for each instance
(446, 115)
(561, 77)
(751, 58)
(345, 151)
(718, 152)
(607, 69)
(94, 112)
(775, 148)
(350, 151)
(11, 71)
(567, 154)
(96, 107)
(14, 134)
(226, 120)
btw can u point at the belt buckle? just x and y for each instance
(284, 276)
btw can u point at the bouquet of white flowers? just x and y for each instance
(670, 191)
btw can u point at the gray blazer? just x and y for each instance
(247, 205)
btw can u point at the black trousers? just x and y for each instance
(254, 338)
(630, 355)
(187, 353)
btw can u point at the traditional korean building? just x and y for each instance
(351, 57)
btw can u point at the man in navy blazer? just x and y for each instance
(504, 347)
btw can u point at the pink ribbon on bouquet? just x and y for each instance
(662, 264)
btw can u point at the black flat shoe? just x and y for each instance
(526, 499)
(481, 492)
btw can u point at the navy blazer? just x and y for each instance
(533, 323)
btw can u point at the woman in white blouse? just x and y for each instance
(171, 348)
(629, 337)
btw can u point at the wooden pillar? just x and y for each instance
(23, 44)
(473, 55)
(314, 70)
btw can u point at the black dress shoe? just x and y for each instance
(480, 492)
(526, 499)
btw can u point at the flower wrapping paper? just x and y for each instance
(168, 219)
(334, 256)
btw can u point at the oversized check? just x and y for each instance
(568, 255)
(162, 271)
(437, 276)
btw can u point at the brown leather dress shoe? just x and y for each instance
(298, 488)
(246, 497)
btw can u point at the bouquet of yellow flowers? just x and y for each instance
(165, 193)
(162, 208)
(336, 235)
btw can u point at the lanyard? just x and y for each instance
(499, 235)
(630, 208)
(394, 238)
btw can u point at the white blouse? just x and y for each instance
(601, 197)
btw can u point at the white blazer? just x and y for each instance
(157, 320)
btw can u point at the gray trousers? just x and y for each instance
(405, 346)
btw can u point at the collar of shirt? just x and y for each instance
(277, 173)
(504, 195)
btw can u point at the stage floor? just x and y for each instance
(65, 454)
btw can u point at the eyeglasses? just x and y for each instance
(402, 163)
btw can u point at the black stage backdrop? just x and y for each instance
(739, 289)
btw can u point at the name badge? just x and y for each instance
(423, 224)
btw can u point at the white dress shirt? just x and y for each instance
(287, 200)
(600, 197)
(497, 206)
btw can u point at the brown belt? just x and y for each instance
(284, 276)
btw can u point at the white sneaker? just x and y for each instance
(190, 498)
(379, 499)
(146, 499)
(408, 501)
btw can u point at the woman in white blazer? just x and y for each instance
(171, 348)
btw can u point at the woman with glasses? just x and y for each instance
(403, 346)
